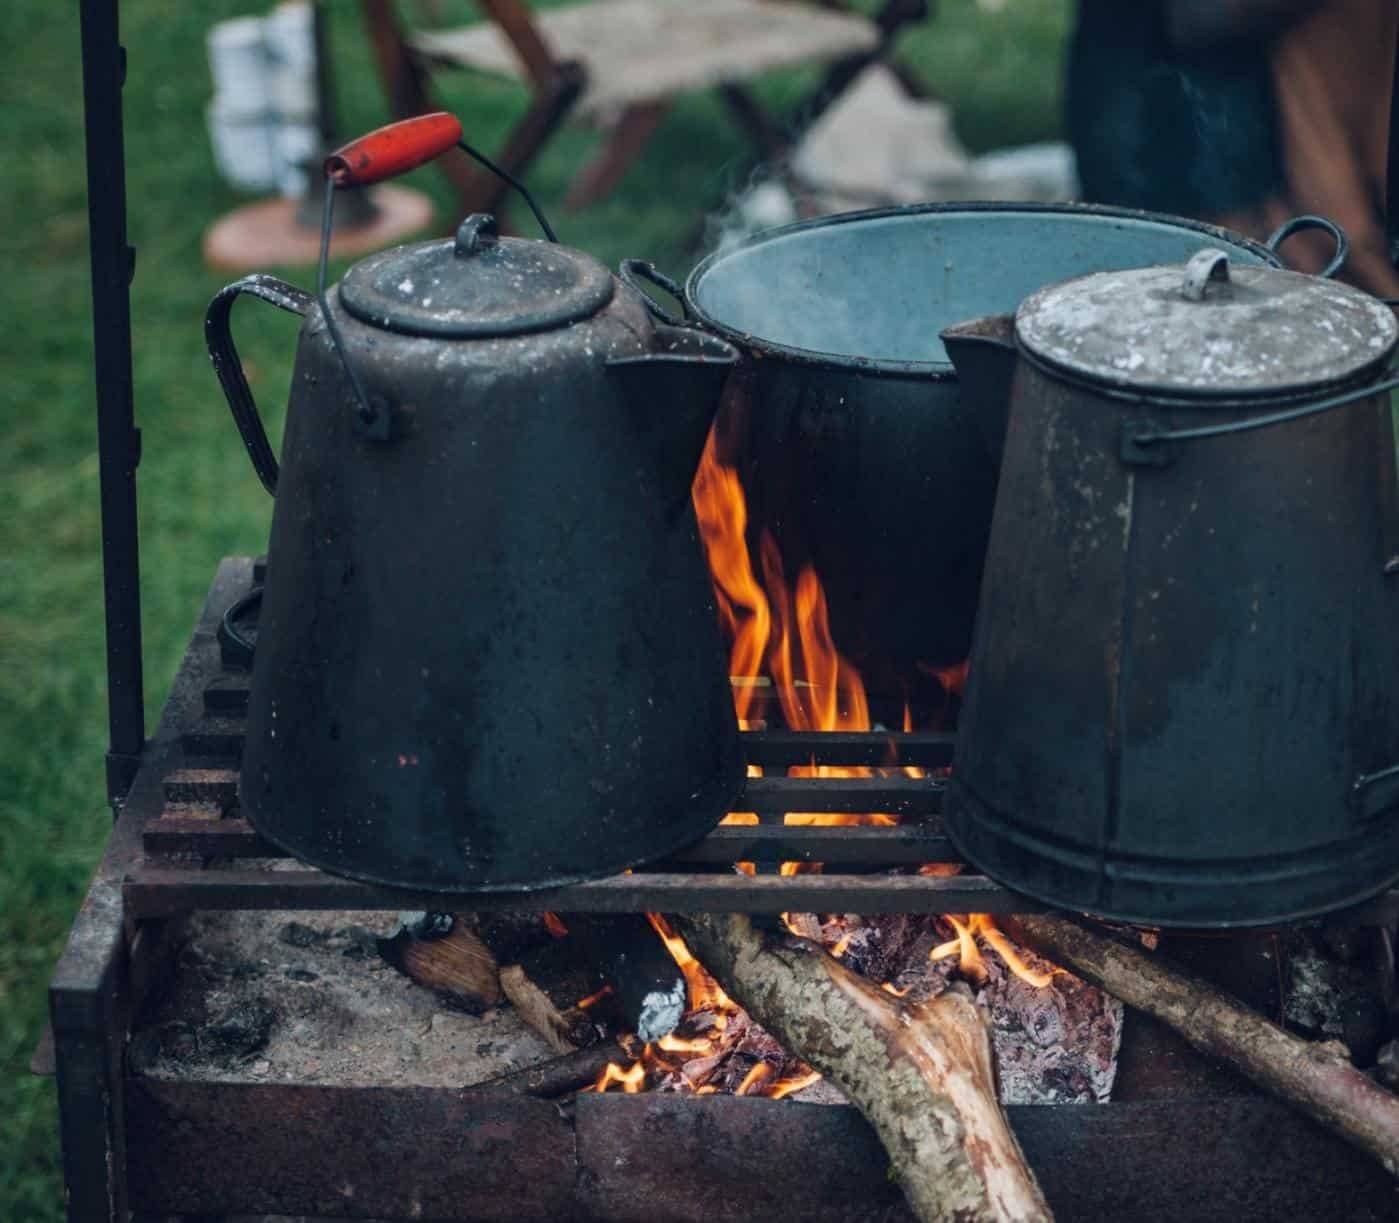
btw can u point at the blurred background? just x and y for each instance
(994, 64)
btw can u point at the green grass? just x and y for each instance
(198, 497)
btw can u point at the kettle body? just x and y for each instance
(488, 656)
(1183, 697)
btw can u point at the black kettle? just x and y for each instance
(1183, 699)
(488, 655)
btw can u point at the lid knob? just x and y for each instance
(478, 232)
(1210, 264)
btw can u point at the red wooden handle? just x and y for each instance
(392, 150)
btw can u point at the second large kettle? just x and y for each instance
(1183, 700)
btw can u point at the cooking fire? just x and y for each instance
(781, 645)
(479, 671)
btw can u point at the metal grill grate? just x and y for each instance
(198, 854)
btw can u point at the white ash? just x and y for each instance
(1055, 1044)
(304, 997)
(661, 1011)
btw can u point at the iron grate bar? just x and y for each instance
(199, 824)
(193, 832)
(163, 891)
(221, 733)
(778, 795)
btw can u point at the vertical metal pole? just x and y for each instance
(325, 81)
(119, 442)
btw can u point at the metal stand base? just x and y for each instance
(269, 233)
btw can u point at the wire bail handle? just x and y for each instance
(385, 153)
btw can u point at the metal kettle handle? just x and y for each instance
(1309, 221)
(1145, 445)
(631, 271)
(229, 368)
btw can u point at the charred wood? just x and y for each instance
(921, 1073)
(628, 954)
(560, 1075)
(1315, 1077)
(562, 1030)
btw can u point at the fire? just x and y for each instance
(703, 992)
(972, 965)
(723, 520)
(715, 1026)
(782, 647)
(787, 632)
(631, 1080)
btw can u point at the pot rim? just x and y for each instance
(935, 371)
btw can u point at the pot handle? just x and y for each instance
(1375, 793)
(1144, 445)
(1310, 221)
(229, 368)
(630, 271)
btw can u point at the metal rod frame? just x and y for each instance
(119, 441)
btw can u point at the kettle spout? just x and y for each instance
(672, 394)
(983, 353)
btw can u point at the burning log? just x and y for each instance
(439, 952)
(1316, 1078)
(560, 1075)
(563, 1031)
(921, 1073)
(629, 955)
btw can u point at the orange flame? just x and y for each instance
(722, 512)
(631, 1080)
(972, 966)
(782, 646)
(793, 1082)
(817, 688)
(753, 1078)
(593, 999)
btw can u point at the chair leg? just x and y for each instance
(547, 112)
(406, 88)
(403, 81)
(624, 143)
(892, 17)
(771, 140)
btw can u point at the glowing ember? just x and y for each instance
(593, 999)
(555, 926)
(753, 1078)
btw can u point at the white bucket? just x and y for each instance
(296, 145)
(245, 147)
(262, 120)
(238, 64)
(290, 40)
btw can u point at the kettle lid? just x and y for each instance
(476, 285)
(1206, 329)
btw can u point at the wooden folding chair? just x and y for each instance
(622, 62)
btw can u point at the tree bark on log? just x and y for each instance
(1315, 1077)
(921, 1073)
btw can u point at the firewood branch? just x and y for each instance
(1316, 1078)
(921, 1073)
